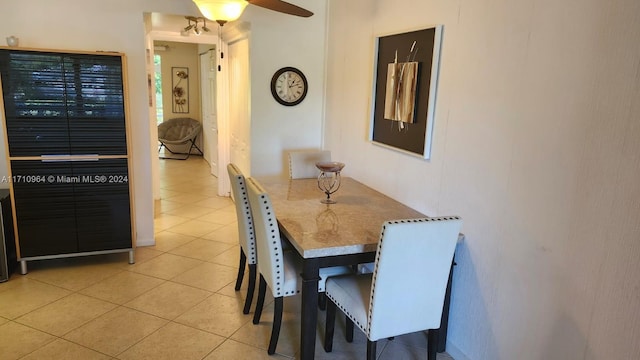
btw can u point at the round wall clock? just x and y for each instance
(289, 86)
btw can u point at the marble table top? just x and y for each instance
(350, 226)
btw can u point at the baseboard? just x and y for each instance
(455, 353)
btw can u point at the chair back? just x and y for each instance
(178, 130)
(268, 243)
(302, 164)
(243, 213)
(410, 275)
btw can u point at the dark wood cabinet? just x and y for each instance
(65, 120)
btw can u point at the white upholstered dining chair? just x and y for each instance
(278, 269)
(245, 233)
(405, 293)
(302, 164)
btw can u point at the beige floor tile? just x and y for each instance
(241, 295)
(166, 240)
(227, 234)
(185, 198)
(165, 266)
(231, 349)
(14, 282)
(66, 314)
(394, 350)
(122, 287)
(200, 249)
(259, 335)
(174, 341)
(141, 254)
(165, 205)
(230, 257)
(218, 314)
(191, 211)
(63, 349)
(208, 276)
(168, 300)
(214, 202)
(342, 350)
(144, 253)
(27, 295)
(115, 331)
(165, 221)
(222, 217)
(73, 274)
(17, 340)
(166, 195)
(194, 228)
(416, 339)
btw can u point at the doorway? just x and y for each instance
(209, 113)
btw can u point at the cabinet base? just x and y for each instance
(23, 261)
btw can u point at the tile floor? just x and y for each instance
(176, 302)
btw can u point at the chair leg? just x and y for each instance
(322, 301)
(262, 289)
(371, 350)
(250, 289)
(277, 321)
(330, 326)
(193, 145)
(173, 152)
(348, 331)
(241, 266)
(432, 344)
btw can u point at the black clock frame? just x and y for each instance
(275, 93)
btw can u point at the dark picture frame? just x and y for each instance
(180, 90)
(412, 134)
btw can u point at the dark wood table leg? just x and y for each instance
(441, 334)
(309, 321)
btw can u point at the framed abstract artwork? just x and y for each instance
(404, 90)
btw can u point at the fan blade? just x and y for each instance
(281, 6)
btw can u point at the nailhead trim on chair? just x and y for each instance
(251, 255)
(375, 270)
(276, 248)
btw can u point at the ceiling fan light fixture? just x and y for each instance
(221, 10)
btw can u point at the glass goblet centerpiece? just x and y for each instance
(329, 178)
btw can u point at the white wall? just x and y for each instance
(180, 55)
(278, 40)
(536, 145)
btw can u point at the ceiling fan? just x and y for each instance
(223, 11)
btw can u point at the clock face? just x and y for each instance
(289, 86)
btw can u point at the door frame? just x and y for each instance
(224, 187)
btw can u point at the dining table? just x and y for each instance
(324, 235)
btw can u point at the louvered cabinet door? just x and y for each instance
(45, 207)
(103, 218)
(34, 94)
(95, 104)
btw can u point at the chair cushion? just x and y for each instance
(352, 295)
(178, 130)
